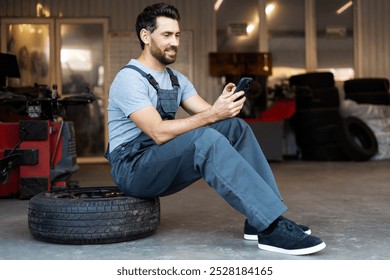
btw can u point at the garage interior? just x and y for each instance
(345, 201)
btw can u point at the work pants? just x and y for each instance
(225, 154)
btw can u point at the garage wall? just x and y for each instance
(372, 39)
(372, 42)
(197, 16)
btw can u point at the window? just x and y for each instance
(82, 61)
(237, 26)
(335, 38)
(30, 40)
(286, 38)
(75, 59)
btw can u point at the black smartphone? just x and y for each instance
(244, 84)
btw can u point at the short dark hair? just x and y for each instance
(147, 19)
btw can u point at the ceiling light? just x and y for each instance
(344, 7)
(269, 8)
(217, 4)
(250, 28)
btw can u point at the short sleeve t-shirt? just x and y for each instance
(130, 92)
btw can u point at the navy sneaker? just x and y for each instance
(284, 236)
(250, 232)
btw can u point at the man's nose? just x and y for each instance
(174, 41)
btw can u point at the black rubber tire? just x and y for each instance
(368, 90)
(91, 216)
(357, 140)
(317, 98)
(313, 80)
(376, 98)
(321, 135)
(367, 84)
(324, 152)
(311, 118)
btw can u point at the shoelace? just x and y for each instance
(287, 225)
(293, 229)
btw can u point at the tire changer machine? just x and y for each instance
(37, 145)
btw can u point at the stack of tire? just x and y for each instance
(320, 131)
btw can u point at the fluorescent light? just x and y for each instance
(269, 8)
(344, 7)
(217, 4)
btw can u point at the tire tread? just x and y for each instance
(92, 221)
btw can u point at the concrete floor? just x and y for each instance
(347, 204)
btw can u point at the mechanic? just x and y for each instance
(154, 154)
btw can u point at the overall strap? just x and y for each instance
(174, 80)
(150, 78)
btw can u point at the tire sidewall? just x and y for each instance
(357, 139)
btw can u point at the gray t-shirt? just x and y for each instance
(130, 92)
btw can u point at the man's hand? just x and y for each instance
(226, 106)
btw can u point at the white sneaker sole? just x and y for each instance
(253, 237)
(296, 252)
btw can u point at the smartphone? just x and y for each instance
(244, 84)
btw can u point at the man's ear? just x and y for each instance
(145, 36)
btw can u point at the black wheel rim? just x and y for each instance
(86, 193)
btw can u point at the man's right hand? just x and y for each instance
(225, 106)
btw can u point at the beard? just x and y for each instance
(161, 56)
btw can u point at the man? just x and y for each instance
(153, 154)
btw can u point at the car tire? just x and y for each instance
(321, 135)
(357, 139)
(91, 216)
(323, 152)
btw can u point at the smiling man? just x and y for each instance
(154, 154)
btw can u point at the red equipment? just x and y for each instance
(37, 148)
(35, 156)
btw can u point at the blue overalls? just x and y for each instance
(225, 154)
